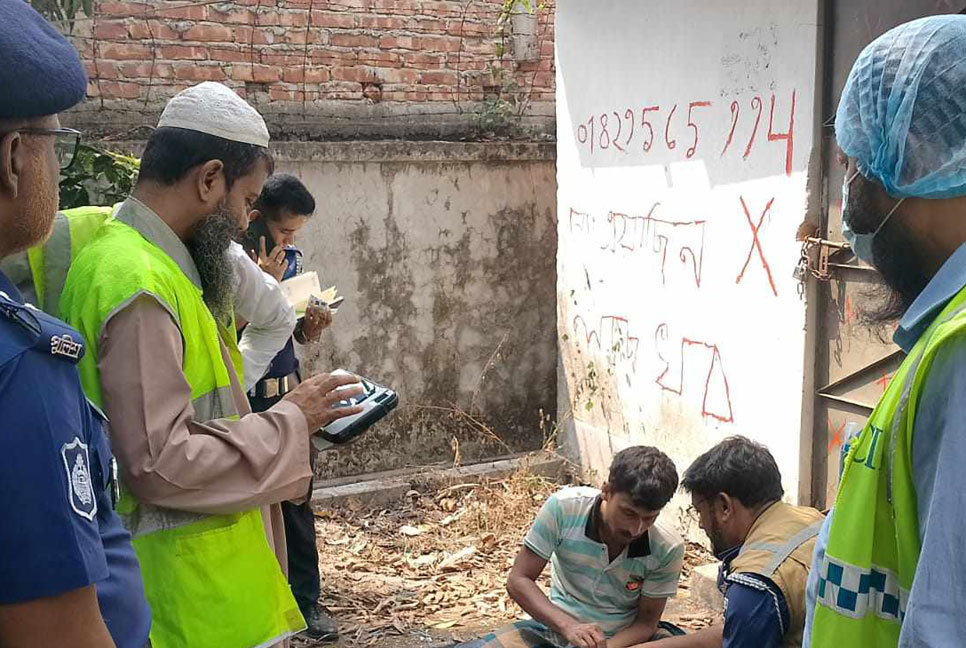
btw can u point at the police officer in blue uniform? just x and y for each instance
(68, 572)
(282, 208)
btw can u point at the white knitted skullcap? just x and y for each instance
(215, 109)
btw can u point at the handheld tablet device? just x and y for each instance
(377, 401)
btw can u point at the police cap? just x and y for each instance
(41, 73)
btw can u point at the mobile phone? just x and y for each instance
(333, 305)
(256, 230)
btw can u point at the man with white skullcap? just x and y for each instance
(201, 476)
(68, 573)
(890, 567)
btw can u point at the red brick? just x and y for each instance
(349, 5)
(354, 74)
(305, 75)
(136, 70)
(379, 59)
(293, 18)
(124, 51)
(209, 33)
(122, 8)
(266, 16)
(469, 28)
(423, 60)
(543, 79)
(438, 44)
(404, 75)
(183, 52)
(369, 21)
(438, 78)
(152, 29)
(397, 42)
(258, 36)
(329, 57)
(332, 20)
(353, 40)
(195, 72)
(282, 60)
(181, 11)
(232, 16)
(267, 74)
(120, 90)
(102, 70)
(236, 55)
(110, 30)
(296, 36)
(392, 95)
(277, 93)
(256, 73)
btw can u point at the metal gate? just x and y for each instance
(852, 364)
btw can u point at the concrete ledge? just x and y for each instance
(375, 490)
(704, 586)
(388, 151)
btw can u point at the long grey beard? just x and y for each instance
(209, 249)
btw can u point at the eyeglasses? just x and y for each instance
(66, 143)
(693, 512)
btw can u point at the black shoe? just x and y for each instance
(321, 626)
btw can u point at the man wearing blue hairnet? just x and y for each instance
(890, 568)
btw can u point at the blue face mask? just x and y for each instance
(861, 244)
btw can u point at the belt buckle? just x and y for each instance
(271, 388)
(283, 385)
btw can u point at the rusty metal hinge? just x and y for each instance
(814, 260)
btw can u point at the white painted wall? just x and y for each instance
(679, 317)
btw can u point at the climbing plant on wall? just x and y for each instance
(98, 177)
(63, 12)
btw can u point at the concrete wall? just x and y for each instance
(345, 69)
(685, 134)
(445, 254)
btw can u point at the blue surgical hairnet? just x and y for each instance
(902, 114)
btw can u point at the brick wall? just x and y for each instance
(345, 68)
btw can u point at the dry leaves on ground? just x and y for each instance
(437, 560)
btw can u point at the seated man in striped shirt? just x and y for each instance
(612, 567)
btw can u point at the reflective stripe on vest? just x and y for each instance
(217, 404)
(873, 547)
(57, 258)
(855, 592)
(796, 541)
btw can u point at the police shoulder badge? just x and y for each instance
(80, 487)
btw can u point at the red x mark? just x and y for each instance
(756, 243)
(884, 380)
(836, 440)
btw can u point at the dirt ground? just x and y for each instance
(430, 570)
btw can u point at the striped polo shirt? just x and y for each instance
(584, 582)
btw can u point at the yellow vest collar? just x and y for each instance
(135, 213)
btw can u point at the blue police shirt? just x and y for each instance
(59, 531)
(756, 613)
(286, 362)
